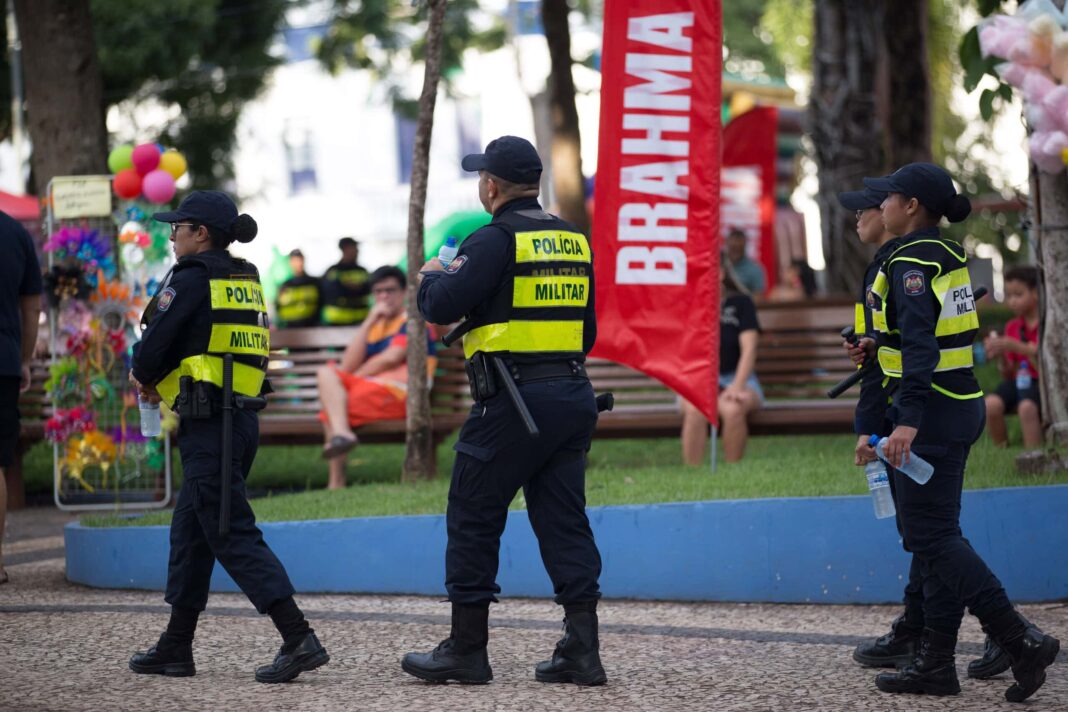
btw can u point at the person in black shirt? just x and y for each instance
(298, 299)
(740, 392)
(20, 309)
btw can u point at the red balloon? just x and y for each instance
(127, 184)
(145, 158)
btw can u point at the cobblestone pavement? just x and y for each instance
(65, 647)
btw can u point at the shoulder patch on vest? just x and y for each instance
(165, 298)
(869, 297)
(914, 283)
(457, 262)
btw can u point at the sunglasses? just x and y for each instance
(175, 226)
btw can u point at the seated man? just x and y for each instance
(371, 382)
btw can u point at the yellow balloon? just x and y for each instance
(173, 162)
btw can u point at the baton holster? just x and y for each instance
(481, 376)
(197, 400)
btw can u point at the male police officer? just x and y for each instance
(525, 284)
(346, 287)
(298, 298)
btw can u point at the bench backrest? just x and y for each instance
(296, 355)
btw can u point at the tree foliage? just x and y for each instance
(379, 35)
(207, 57)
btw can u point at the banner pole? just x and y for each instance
(712, 448)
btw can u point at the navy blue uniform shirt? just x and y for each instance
(186, 316)
(488, 268)
(20, 276)
(871, 407)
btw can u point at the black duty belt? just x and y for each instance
(547, 370)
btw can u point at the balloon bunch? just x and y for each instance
(146, 169)
(1034, 43)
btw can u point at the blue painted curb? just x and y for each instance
(797, 550)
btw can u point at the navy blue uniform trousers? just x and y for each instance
(953, 575)
(495, 457)
(195, 540)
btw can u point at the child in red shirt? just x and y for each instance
(1018, 349)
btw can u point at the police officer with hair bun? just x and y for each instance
(209, 310)
(525, 285)
(925, 322)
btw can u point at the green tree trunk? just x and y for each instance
(419, 460)
(64, 90)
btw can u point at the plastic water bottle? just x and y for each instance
(448, 251)
(150, 425)
(917, 468)
(1023, 376)
(879, 484)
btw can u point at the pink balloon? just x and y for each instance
(145, 158)
(158, 187)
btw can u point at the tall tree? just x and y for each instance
(64, 104)
(842, 126)
(419, 443)
(904, 96)
(566, 143)
(1049, 210)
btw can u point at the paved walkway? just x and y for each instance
(65, 647)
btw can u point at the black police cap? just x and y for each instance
(927, 183)
(509, 157)
(347, 242)
(296, 253)
(203, 207)
(861, 199)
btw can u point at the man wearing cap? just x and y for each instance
(345, 288)
(899, 646)
(297, 303)
(524, 283)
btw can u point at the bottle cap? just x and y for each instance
(450, 241)
(874, 440)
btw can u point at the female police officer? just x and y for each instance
(925, 322)
(210, 306)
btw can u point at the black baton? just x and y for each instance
(516, 396)
(227, 444)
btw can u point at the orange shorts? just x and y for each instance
(369, 400)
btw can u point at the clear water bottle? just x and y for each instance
(879, 484)
(917, 468)
(150, 424)
(1023, 376)
(448, 251)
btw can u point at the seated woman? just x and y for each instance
(371, 382)
(796, 283)
(740, 393)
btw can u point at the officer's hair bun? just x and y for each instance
(243, 228)
(959, 208)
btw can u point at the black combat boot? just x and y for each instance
(291, 660)
(895, 649)
(1030, 650)
(577, 656)
(165, 658)
(462, 656)
(932, 672)
(994, 661)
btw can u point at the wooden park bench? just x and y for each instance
(799, 357)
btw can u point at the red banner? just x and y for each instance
(656, 213)
(748, 189)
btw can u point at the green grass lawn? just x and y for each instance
(620, 472)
